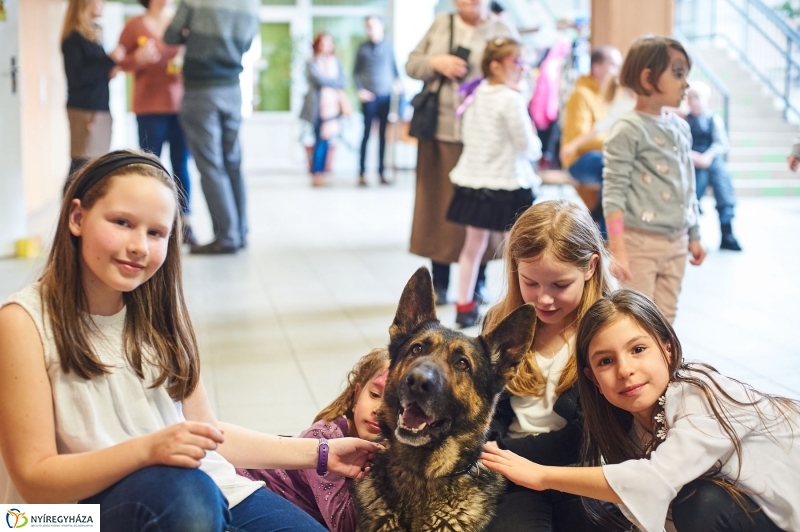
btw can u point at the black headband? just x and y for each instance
(99, 171)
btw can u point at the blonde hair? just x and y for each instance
(567, 233)
(497, 50)
(79, 19)
(651, 52)
(701, 89)
(365, 370)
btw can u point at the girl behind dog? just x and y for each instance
(354, 413)
(649, 199)
(101, 399)
(662, 434)
(555, 259)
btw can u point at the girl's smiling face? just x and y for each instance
(553, 286)
(629, 367)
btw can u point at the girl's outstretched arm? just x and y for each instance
(583, 481)
(250, 449)
(28, 434)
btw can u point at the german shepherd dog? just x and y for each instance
(438, 402)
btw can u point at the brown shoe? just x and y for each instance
(361, 181)
(214, 248)
(385, 181)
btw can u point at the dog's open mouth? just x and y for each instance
(412, 418)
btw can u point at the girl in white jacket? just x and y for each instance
(494, 175)
(662, 435)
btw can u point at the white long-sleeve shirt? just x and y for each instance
(500, 144)
(696, 442)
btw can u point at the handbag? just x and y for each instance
(426, 107)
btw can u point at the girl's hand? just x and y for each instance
(698, 252)
(449, 66)
(620, 266)
(182, 444)
(794, 162)
(118, 53)
(512, 466)
(147, 54)
(351, 457)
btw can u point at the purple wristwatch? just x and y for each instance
(322, 460)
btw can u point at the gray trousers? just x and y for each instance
(210, 118)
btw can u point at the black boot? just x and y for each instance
(729, 241)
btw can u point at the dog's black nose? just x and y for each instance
(424, 380)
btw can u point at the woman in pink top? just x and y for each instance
(157, 91)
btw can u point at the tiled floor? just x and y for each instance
(281, 324)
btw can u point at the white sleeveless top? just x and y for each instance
(112, 408)
(535, 415)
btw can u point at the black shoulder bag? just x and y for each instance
(426, 106)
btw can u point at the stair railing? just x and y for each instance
(760, 37)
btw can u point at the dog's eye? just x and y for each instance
(416, 349)
(462, 364)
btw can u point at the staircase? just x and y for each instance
(760, 138)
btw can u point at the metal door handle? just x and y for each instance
(13, 75)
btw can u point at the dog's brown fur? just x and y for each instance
(431, 479)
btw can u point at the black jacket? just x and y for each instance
(557, 448)
(87, 67)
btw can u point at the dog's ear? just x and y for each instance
(416, 304)
(510, 340)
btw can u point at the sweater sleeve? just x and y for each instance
(520, 128)
(619, 152)
(331, 492)
(175, 33)
(317, 80)
(418, 65)
(719, 137)
(695, 443)
(358, 68)
(85, 63)
(130, 40)
(796, 148)
(578, 119)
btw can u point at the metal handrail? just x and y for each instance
(784, 49)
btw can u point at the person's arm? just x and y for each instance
(316, 79)
(619, 152)
(28, 434)
(358, 68)
(520, 128)
(250, 449)
(794, 157)
(178, 30)
(85, 64)
(719, 139)
(422, 64)
(578, 122)
(583, 481)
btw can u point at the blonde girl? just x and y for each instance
(494, 175)
(112, 409)
(649, 199)
(88, 69)
(664, 435)
(556, 260)
(354, 413)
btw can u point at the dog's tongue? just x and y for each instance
(413, 416)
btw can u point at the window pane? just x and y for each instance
(275, 80)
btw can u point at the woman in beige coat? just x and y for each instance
(432, 236)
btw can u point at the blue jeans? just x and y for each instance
(154, 130)
(174, 499)
(211, 118)
(588, 169)
(718, 177)
(320, 154)
(376, 109)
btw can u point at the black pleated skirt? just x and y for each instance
(496, 210)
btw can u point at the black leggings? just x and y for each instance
(703, 506)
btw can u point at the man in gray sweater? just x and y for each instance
(374, 74)
(216, 34)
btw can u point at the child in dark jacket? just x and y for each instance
(709, 147)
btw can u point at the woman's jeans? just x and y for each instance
(703, 506)
(320, 154)
(588, 170)
(154, 130)
(175, 499)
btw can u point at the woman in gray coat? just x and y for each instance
(432, 236)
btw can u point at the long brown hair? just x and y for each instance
(365, 370)
(79, 18)
(567, 232)
(606, 436)
(157, 325)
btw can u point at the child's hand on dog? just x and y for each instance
(351, 457)
(518, 470)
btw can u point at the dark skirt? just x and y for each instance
(496, 210)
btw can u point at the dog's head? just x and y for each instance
(443, 383)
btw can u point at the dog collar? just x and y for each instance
(322, 459)
(471, 469)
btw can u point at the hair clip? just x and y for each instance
(500, 41)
